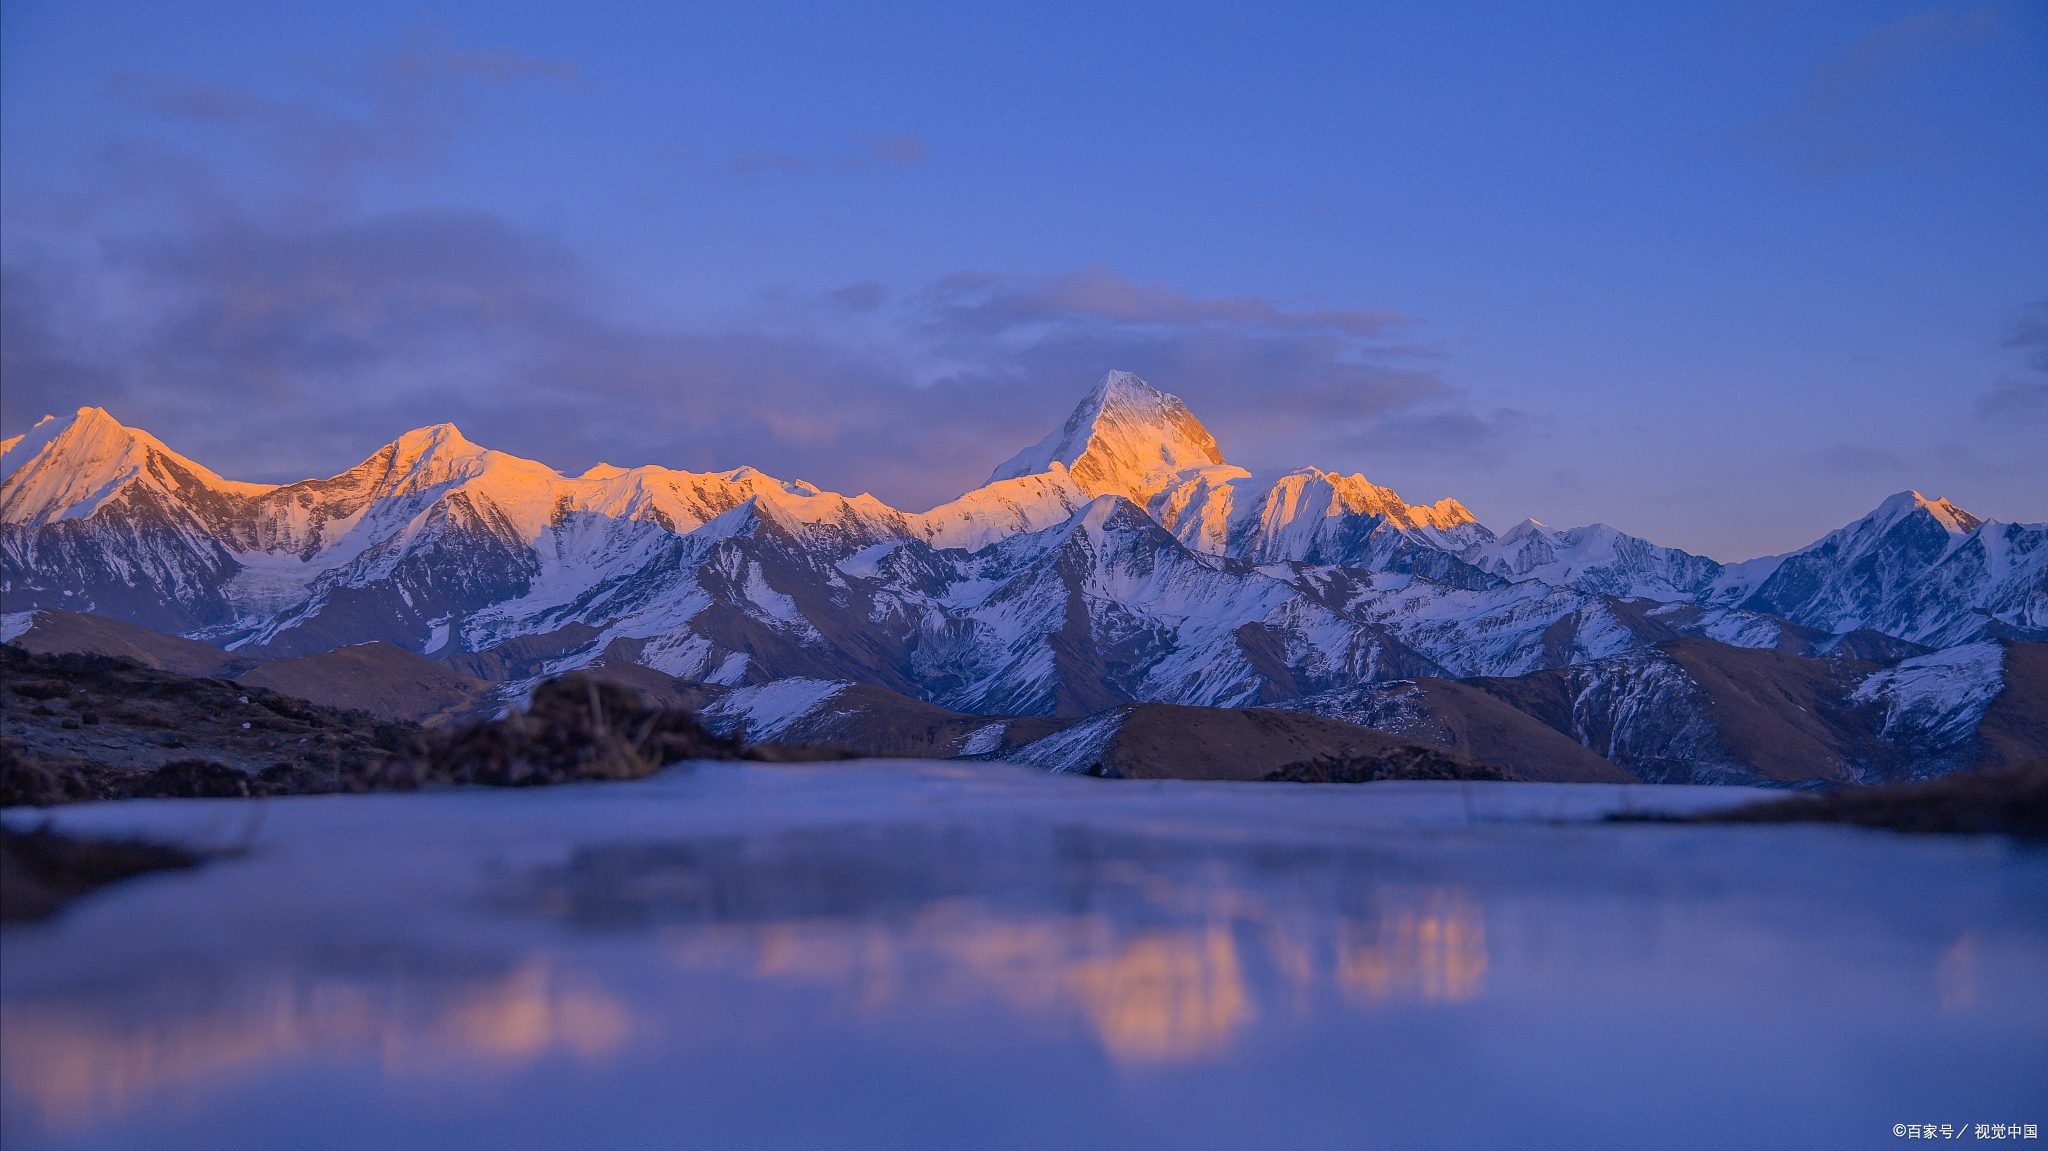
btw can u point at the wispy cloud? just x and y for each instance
(2028, 331)
(895, 149)
(1858, 109)
(2025, 396)
(395, 111)
(1855, 459)
(275, 352)
(275, 329)
(985, 302)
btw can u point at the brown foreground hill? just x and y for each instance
(1683, 710)
(81, 727)
(1172, 741)
(381, 682)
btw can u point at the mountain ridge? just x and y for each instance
(1119, 560)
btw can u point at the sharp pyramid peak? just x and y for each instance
(1126, 438)
(423, 457)
(1127, 387)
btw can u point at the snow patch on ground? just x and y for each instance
(1074, 749)
(774, 603)
(867, 561)
(1937, 698)
(982, 740)
(14, 623)
(765, 711)
(730, 671)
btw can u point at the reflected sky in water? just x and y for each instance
(933, 956)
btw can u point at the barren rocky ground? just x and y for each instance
(93, 727)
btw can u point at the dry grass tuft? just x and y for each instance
(1403, 763)
(2009, 801)
(576, 728)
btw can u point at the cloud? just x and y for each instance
(246, 309)
(273, 353)
(895, 149)
(2028, 331)
(980, 302)
(1855, 458)
(395, 111)
(1449, 429)
(2023, 398)
(864, 296)
(1281, 383)
(1864, 107)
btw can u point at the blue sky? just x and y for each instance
(1724, 276)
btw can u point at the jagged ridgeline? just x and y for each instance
(1118, 560)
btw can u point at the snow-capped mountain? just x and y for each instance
(1695, 711)
(1126, 438)
(1119, 559)
(1923, 570)
(1316, 517)
(1918, 569)
(1594, 558)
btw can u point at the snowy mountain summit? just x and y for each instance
(1126, 438)
(1121, 558)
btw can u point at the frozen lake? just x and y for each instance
(923, 955)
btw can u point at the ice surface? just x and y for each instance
(918, 955)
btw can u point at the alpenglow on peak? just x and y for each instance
(1126, 438)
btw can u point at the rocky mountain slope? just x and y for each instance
(1684, 710)
(1120, 560)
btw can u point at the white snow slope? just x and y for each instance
(1121, 558)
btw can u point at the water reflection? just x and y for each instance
(1165, 996)
(1436, 953)
(1955, 974)
(1149, 953)
(1164, 953)
(69, 1061)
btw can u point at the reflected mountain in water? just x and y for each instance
(1161, 952)
(1165, 950)
(915, 955)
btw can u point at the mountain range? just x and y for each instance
(1120, 561)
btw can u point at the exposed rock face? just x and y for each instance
(82, 727)
(1119, 560)
(1919, 569)
(1695, 711)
